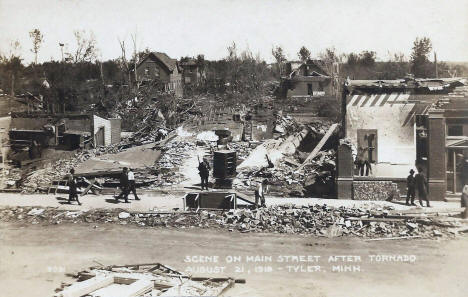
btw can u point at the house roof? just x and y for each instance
(431, 84)
(167, 61)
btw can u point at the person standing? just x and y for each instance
(421, 185)
(123, 185)
(72, 187)
(260, 193)
(363, 161)
(204, 172)
(131, 183)
(411, 186)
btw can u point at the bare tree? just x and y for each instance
(86, 49)
(37, 39)
(280, 58)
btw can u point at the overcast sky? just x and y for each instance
(182, 28)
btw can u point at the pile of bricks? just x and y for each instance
(375, 190)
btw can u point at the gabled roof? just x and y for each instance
(169, 63)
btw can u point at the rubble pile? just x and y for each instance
(173, 155)
(315, 179)
(40, 180)
(242, 149)
(286, 125)
(316, 220)
(375, 190)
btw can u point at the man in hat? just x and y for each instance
(123, 185)
(72, 187)
(204, 172)
(411, 186)
(421, 185)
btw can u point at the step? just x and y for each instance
(450, 199)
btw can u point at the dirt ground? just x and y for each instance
(34, 260)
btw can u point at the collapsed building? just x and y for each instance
(36, 131)
(401, 125)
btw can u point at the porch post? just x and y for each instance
(454, 171)
(345, 170)
(437, 166)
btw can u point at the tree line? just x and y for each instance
(80, 81)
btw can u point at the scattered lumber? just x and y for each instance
(79, 289)
(319, 146)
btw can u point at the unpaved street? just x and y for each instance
(34, 260)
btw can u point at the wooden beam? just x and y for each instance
(319, 146)
(136, 289)
(79, 289)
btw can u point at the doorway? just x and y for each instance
(100, 137)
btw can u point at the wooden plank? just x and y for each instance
(393, 238)
(79, 289)
(319, 145)
(135, 289)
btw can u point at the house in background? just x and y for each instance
(306, 79)
(159, 66)
(405, 124)
(192, 74)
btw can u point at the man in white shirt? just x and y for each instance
(260, 193)
(131, 183)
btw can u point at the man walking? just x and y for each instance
(72, 187)
(204, 172)
(131, 183)
(411, 185)
(123, 185)
(421, 185)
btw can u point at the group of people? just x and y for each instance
(418, 182)
(127, 185)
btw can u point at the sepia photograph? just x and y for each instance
(233, 148)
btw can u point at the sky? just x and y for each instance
(187, 28)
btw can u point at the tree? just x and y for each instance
(11, 68)
(367, 58)
(420, 64)
(280, 58)
(37, 39)
(86, 49)
(304, 54)
(201, 64)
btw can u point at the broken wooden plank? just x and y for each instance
(393, 238)
(88, 286)
(136, 288)
(319, 146)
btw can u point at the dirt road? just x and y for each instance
(35, 258)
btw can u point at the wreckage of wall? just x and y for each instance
(99, 123)
(396, 145)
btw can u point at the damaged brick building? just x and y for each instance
(62, 131)
(401, 125)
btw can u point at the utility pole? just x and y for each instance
(61, 49)
(435, 62)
